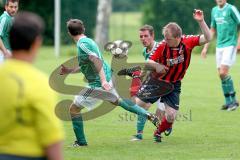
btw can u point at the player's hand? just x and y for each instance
(64, 70)
(238, 48)
(204, 53)
(198, 15)
(106, 86)
(7, 54)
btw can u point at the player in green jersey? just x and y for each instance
(98, 75)
(11, 8)
(225, 19)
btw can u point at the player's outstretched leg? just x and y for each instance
(134, 108)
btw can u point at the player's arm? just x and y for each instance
(66, 70)
(206, 46)
(159, 68)
(54, 151)
(3, 29)
(4, 50)
(98, 63)
(206, 36)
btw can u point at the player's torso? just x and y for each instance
(5, 25)
(225, 25)
(87, 67)
(177, 59)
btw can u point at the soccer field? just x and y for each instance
(201, 132)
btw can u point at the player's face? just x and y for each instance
(171, 41)
(11, 8)
(146, 38)
(221, 2)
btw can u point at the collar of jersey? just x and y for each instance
(155, 44)
(82, 38)
(5, 12)
(223, 7)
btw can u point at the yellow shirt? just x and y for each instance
(28, 123)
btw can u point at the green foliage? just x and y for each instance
(160, 12)
(84, 9)
(126, 5)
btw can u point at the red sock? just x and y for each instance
(135, 85)
(164, 125)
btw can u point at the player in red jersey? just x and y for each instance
(172, 58)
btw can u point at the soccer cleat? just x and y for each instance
(233, 106)
(224, 107)
(77, 144)
(168, 132)
(129, 71)
(154, 119)
(157, 137)
(137, 137)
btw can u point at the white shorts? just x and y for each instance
(160, 105)
(226, 56)
(2, 56)
(90, 102)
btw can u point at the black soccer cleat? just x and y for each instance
(168, 132)
(129, 71)
(157, 137)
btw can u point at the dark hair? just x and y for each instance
(148, 28)
(13, 1)
(75, 27)
(26, 28)
(172, 28)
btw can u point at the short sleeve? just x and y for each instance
(235, 14)
(213, 22)
(3, 26)
(191, 40)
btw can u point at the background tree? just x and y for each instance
(103, 16)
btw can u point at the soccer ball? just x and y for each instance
(118, 48)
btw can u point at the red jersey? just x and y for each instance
(177, 59)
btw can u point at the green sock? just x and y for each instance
(132, 107)
(231, 90)
(228, 90)
(78, 129)
(141, 123)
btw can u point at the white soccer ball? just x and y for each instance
(118, 48)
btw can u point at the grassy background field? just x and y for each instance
(201, 132)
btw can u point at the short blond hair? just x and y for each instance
(172, 28)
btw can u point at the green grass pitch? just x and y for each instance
(201, 132)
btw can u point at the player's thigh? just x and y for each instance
(141, 103)
(228, 56)
(83, 99)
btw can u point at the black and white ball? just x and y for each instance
(118, 48)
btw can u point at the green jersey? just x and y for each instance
(147, 54)
(87, 47)
(225, 20)
(5, 25)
